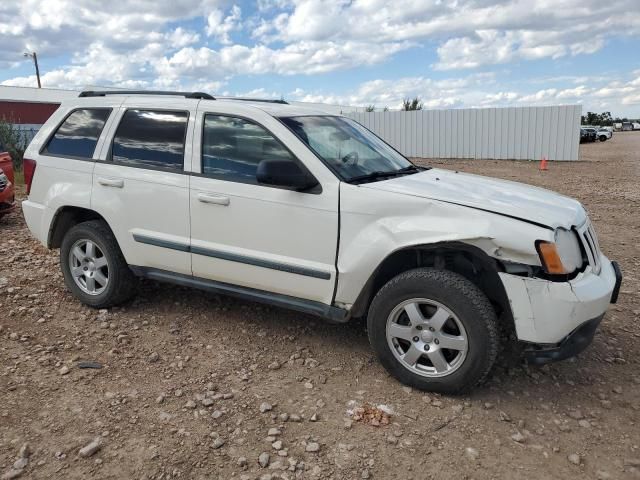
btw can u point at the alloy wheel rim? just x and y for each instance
(89, 267)
(427, 338)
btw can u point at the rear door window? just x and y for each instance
(151, 139)
(78, 135)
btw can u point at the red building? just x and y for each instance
(30, 107)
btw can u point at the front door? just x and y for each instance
(257, 236)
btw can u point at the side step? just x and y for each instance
(327, 312)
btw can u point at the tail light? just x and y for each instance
(29, 167)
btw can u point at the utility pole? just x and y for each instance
(35, 61)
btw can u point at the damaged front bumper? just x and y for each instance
(572, 345)
(547, 313)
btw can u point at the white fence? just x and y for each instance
(523, 133)
(27, 130)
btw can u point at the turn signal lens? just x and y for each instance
(550, 258)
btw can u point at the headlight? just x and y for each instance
(563, 256)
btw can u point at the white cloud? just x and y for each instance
(57, 27)
(487, 46)
(181, 38)
(298, 58)
(479, 90)
(469, 33)
(204, 43)
(220, 27)
(445, 93)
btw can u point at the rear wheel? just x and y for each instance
(434, 330)
(93, 266)
(603, 138)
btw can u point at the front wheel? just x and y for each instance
(602, 138)
(93, 266)
(434, 330)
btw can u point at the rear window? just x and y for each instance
(78, 135)
(151, 139)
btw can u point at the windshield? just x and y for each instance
(350, 150)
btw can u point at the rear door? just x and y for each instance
(257, 236)
(140, 185)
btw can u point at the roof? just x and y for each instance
(273, 108)
(35, 95)
(57, 96)
(277, 109)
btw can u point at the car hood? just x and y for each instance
(517, 200)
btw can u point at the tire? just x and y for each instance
(120, 283)
(470, 316)
(603, 138)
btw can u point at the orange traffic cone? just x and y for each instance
(543, 164)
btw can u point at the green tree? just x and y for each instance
(370, 108)
(606, 119)
(13, 141)
(410, 105)
(592, 118)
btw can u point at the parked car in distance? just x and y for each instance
(313, 212)
(7, 181)
(588, 135)
(604, 134)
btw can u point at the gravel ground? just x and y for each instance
(194, 385)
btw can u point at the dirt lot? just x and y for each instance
(186, 374)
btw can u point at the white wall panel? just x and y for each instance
(527, 133)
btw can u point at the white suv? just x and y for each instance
(313, 212)
(604, 133)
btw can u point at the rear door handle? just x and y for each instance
(215, 199)
(111, 182)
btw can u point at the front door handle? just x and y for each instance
(215, 199)
(111, 182)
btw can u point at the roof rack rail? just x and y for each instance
(103, 93)
(262, 100)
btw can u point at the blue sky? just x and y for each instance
(450, 53)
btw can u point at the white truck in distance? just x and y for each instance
(313, 212)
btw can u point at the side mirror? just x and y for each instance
(284, 173)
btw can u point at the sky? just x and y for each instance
(450, 53)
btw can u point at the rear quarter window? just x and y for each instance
(78, 135)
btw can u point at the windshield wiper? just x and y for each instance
(409, 168)
(369, 177)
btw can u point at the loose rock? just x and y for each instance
(471, 453)
(263, 459)
(313, 447)
(218, 442)
(574, 458)
(91, 448)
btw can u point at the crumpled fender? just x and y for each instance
(374, 224)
